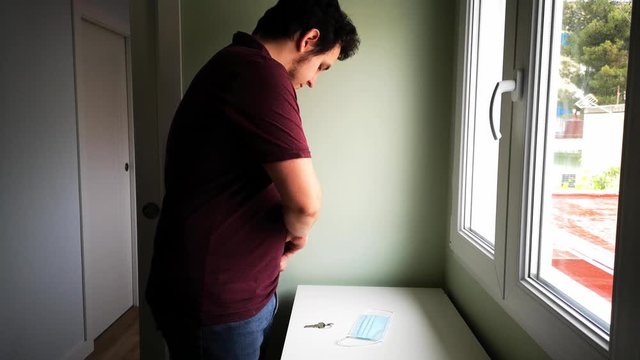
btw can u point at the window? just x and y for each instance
(535, 213)
(573, 223)
(481, 152)
(478, 203)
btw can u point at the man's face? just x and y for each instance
(306, 68)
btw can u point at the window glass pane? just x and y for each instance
(577, 199)
(481, 149)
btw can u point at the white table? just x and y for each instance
(425, 325)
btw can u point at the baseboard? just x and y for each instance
(80, 351)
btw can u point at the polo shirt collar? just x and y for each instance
(246, 40)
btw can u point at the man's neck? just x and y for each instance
(283, 51)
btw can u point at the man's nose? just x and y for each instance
(312, 81)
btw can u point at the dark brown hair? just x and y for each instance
(290, 17)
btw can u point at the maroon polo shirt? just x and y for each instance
(221, 231)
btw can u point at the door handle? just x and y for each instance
(151, 210)
(512, 86)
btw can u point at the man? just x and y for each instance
(241, 191)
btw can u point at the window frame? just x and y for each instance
(504, 275)
(532, 305)
(473, 253)
(625, 316)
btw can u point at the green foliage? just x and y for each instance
(607, 180)
(597, 49)
(609, 80)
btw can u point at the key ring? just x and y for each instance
(319, 325)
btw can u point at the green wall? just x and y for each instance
(500, 335)
(379, 130)
(378, 126)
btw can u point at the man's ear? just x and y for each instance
(308, 40)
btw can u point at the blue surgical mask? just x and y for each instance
(370, 327)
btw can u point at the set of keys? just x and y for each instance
(319, 325)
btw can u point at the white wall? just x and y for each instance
(114, 13)
(602, 141)
(41, 304)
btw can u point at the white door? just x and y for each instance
(105, 180)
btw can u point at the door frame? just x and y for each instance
(157, 64)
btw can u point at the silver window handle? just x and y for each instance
(512, 86)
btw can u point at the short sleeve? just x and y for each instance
(269, 116)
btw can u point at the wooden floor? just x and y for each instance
(121, 341)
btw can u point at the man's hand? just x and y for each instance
(292, 245)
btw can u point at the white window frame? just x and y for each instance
(488, 264)
(557, 328)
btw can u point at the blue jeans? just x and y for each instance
(242, 340)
